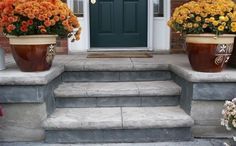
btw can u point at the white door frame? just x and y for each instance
(150, 24)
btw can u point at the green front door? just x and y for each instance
(118, 23)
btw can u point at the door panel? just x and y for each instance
(130, 16)
(118, 23)
(106, 16)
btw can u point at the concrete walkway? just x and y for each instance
(196, 142)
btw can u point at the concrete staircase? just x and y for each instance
(117, 106)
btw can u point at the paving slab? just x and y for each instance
(118, 89)
(13, 76)
(108, 64)
(118, 118)
(185, 71)
(160, 88)
(84, 118)
(176, 63)
(196, 142)
(155, 117)
(149, 64)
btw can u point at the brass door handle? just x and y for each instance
(93, 1)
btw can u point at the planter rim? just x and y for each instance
(210, 35)
(32, 39)
(210, 38)
(32, 36)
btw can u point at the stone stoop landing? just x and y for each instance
(126, 124)
(119, 101)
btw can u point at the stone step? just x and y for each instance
(117, 94)
(124, 124)
(96, 76)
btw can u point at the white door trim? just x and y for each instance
(150, 25)
(87, 23)
(150, 46)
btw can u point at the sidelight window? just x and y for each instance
(158, 6)
(78, 8)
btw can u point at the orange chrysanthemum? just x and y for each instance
(48, 15)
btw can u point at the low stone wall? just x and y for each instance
(27, 101)
(204, 101)
(28, 98)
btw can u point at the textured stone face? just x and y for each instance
(207, 116)
(22, 122)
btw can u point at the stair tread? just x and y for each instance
(117, 89)
(117, 118)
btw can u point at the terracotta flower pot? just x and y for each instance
(208, 52)
(33, 53)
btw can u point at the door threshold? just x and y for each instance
(128, 49)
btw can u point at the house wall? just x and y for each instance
(176, 43)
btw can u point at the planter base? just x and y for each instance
(209, 53)
(208, 57)
(32, 58)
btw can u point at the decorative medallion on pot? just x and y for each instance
(32, 27)
(209, 27)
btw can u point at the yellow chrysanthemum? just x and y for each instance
(212, 19)
(233, 29)
(198, 19)
(207, 20)
(233, 24)
(190, 25)
(219, 13)
(195, 25)
(221, 28)
(215, 23)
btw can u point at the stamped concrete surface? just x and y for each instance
(196, 142)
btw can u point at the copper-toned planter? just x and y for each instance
(33, 53)
(208, 53)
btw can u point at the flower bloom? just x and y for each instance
(11, 27)
(38, 17)
(205, 16)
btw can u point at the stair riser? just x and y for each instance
(116, 76)
(118, 136)
(117, 102)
